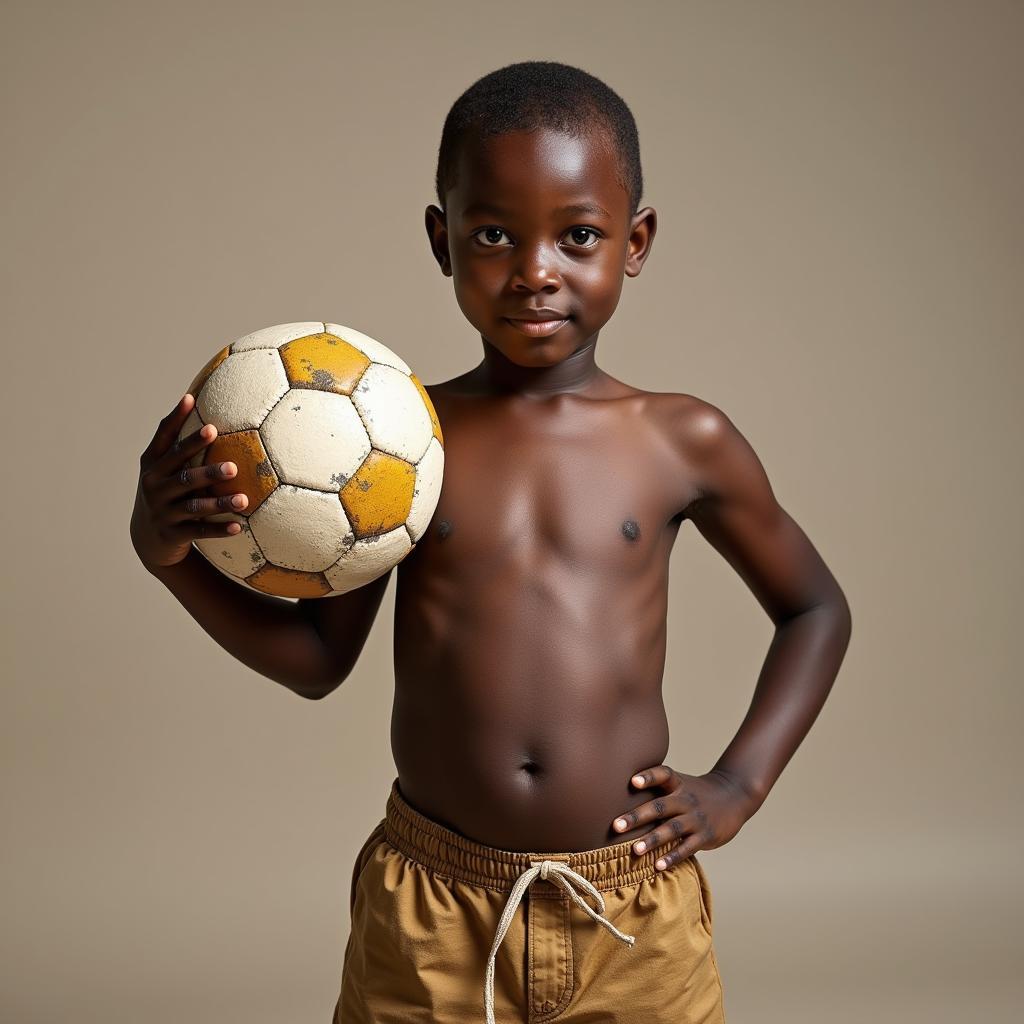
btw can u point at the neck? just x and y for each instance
(497, 374)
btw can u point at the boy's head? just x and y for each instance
(540, 94)
(519, 146)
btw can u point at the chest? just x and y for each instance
(594, 491)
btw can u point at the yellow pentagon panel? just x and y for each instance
(272, 579)
(378, 497)
(204, 374)
(430, 408)
(370, 347)
(255, 477)
(323, 361)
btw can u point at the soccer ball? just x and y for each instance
(338, 448)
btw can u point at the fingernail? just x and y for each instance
(659, 864)
(638, 780)
(640, 847)
(237, 501)
(620, 823)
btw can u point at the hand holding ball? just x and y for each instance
(339, 451)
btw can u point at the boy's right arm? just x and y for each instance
(269, 634)
(306, 648)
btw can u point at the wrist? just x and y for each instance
(165, 572)
(754, 791)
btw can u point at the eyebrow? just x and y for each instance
(591, 208)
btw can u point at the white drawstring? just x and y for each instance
(556, 872)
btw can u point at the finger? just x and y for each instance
(195, 507)
(191, 478)
(671, 831)
(685, 849)
(654, 810)
(167, 429)
(655, 776)
(200, 529)
(182, 451)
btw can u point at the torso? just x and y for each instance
(530, 618)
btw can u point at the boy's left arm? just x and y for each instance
(737, 513)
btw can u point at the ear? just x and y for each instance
(643, 227)
(437, 233)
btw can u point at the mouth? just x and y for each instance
(537, 328)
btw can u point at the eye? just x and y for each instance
(493, 230)
(589, 231)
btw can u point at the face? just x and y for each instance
(539, 221)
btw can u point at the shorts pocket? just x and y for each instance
(703, 891)
(362, 857)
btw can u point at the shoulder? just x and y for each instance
(701, 432)
(698, 426)
(720, 459)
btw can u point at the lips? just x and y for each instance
(537, 328)
(538, 315)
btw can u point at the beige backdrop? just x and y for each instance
(838, 267)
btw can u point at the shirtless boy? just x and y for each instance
(536, 859)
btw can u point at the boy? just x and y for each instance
(536, 857)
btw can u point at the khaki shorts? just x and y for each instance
(448, 931)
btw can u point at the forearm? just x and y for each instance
(798, 672)
(274, 637)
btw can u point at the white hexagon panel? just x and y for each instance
(392, 408)
(299, 528)
(242, 390)
(237, 555)
(367, 559)
(315, 438)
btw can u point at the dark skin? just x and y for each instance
(538, 620)
(530, 620)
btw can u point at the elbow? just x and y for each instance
(329, 674)
(307, 689)
(838, 620)
(836, 610)
(831, 611)
(844, 618)
(325, 687)
(322, 690)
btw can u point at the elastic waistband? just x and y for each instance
(448, 853)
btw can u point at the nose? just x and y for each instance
(537, 268)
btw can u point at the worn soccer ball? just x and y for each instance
(338, 448)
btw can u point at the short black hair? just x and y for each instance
(535, 94)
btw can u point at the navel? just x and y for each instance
(444, 528)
